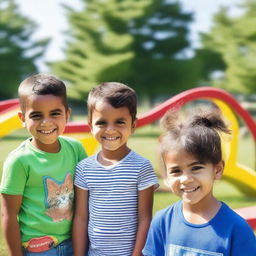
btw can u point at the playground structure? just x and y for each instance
(243, 177)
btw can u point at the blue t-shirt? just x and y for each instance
(227, 234)
(113, 201)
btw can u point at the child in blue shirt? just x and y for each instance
(199, 224)
(114, 188)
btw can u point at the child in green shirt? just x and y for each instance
(37, 183)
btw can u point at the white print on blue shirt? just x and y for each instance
(177, 250)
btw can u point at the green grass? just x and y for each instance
(145, 142)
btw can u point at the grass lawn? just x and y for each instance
(144, 141)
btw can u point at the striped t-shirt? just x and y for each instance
(113, 201)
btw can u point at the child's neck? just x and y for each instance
(202, 212)
(49, 148)
(107, 158)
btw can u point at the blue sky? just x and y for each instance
(49, 16)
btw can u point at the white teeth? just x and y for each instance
(189, 190)
(110, 138)
(47, 132)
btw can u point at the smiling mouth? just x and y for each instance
(190, 190)
(110, 138)
(47, 132)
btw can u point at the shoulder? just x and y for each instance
(232, 215)
(138, 159)
(89, 161)
(162, 220)
(165, 215)
(135, 155)
(19, 153)
(243, 238)
(233, 219)
(70, 141)
(73, 146)
(158, 236)
(144, 170)
(15, 170)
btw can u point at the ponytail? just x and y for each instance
(212, 119)
(198, 133)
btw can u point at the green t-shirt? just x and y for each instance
(45, 180)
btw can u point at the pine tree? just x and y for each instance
(234, 38)
(161, 65)
(140, 43)
(17, 52)
(98, 41)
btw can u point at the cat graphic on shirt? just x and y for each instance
(59, 198)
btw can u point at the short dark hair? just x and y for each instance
(116, 94)
(41, 84)
(198, 133)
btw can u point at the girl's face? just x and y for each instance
(189, 178)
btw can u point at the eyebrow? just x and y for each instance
(56, 110)
(121, 118)
(39, 112)
(191, 164)
(195, 163)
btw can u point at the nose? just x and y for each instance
(109, 128)
(186, 178)
(45, 121)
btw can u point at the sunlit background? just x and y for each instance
(158, 47)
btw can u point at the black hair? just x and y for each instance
(41, 84)
(198, 134)
(116, 94)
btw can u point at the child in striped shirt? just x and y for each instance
(114, 188)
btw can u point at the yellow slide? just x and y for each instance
(9, 122)
(242, 176)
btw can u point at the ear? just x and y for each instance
(134, 125)
(68, 114)
(51, 185)
(22, 118)
(90, 126)
(219, 168)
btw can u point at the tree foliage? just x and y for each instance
(98, 41)
(161, 65)
(137, 42)
(17, 52)
(234, 39)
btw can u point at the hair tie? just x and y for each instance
(205, 121)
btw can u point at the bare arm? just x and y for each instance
(80, 222)
(10, 208)
(145, 204)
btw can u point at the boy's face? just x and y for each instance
(45, 118)
(189, 178)
(111, 127)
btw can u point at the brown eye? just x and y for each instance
(56, 114)
(35, 116)
(120, 122)
(100, 123)
(196, 168)
(174, 171)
